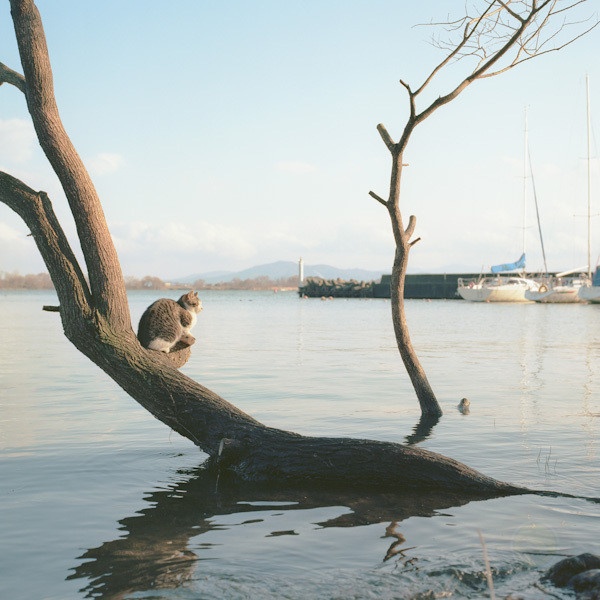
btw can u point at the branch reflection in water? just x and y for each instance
(422, 430)
(156, 551)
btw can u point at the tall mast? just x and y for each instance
(525, 181)
(589, 179)
(537, 213)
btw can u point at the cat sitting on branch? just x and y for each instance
(165, 325)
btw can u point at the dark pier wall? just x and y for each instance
(416, 286)
(438, 286)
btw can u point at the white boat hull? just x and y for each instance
(590, 293)
(507, 295)
(474, 294)
(496, 289)
(557, 295)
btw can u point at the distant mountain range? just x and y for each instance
(282, 269)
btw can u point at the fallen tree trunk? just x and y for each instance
(283, 458)
(242, 448)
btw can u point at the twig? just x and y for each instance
(488, 571)
(545, 591)
(385, 136)
(378, 198)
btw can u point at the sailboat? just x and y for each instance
(559, 289)
(501, 288)
(590, 292)
(562, 288)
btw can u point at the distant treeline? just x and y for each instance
(14, 281)
(42, 281)
(258, 283)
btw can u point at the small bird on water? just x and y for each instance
(464, 405)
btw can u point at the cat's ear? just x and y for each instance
(195, 294)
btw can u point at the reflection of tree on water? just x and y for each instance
(154, 552)
(396, 548)
(422, 430)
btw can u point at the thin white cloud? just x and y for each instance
(17, 141)
(20, 247)
(8, 234)
(295, 166)
(175, 249)
(104, 163)
(173, 238)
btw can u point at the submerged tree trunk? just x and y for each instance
(425, 394)
(495, 38)
(430, 407)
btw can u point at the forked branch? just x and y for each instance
(501, 29)
(526, 28)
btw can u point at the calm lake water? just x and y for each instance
(100, 500)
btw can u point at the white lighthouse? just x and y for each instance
(300, 272)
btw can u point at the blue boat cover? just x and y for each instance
(596, 278)
(520, 264)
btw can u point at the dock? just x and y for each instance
(434, 286)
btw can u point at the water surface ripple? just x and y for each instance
(100, 500)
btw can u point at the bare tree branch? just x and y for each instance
(492, 35)
(385, 136)
(454, 53)
(411, 99)
(533, 17)
(506, 7)
(7, 75)
(378, 198)
(412, 223)
(36, 211)
(540, 53)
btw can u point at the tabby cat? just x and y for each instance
(166, 322)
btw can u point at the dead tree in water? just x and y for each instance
(95, 316)
(496, 38)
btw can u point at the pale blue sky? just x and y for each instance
(222, 135)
